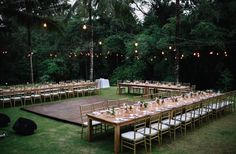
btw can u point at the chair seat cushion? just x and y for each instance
(16, 98)
(131, 134)
(216, 106)
(5, 99)
(55, 93)
(46, 95)
(172, 122)
(192, 115)
(183, 118)
(26, 97)
(79, 90)
(206, 110)
(162, 127)
(148, 131)
(62, 92)
(94, 123)
(36, 95)
(69, 91)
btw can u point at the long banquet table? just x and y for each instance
(46, 88)
(126, 117)
(157, 86)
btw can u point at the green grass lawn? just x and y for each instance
(215, 137)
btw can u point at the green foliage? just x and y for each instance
(226, 80)
(132, 71)
(210, 33)
(53, 69)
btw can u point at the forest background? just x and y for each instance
(51, 34)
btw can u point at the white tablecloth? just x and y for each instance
(103, 83)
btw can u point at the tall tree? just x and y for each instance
(30, 13)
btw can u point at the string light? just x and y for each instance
(136, 44)
(136, 51)
(84, 27)
(162, 53)
(100, 42)
(198, 55)
(45, 25)
(211, 53)
(4, 52)
(170, 47)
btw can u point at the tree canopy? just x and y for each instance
(125, 48)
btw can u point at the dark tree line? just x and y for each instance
(61, 49)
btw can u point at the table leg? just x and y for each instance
(119, 92)
(90, 130)
(146, 89)
(117, 140)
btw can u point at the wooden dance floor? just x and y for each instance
(65, 110)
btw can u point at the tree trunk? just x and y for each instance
(30, 52)
(177, 41)
(29, 10)
(91, 42)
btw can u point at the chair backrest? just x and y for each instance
(140, 123)
(155, 119)
(99, 105)
(5, 94)
(177, 112)
(196, 108)
(125, 101)
(84, 110)
(166, 115)
(188, 109)
(113, 103)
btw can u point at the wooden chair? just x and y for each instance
(5, 98)
(62, 92)
(46, 94)
(99, 105)
(161, 127)
(84, 110)
(205, 111)
(36, 95)
(27, 96)
(132, 138)
(79, 91)
(152, 132)
(113, 103)
(17, 97)
(195, 114)
(185, 119)
(55, 94)
(173, 122)
(70, 92)
(215, 106)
